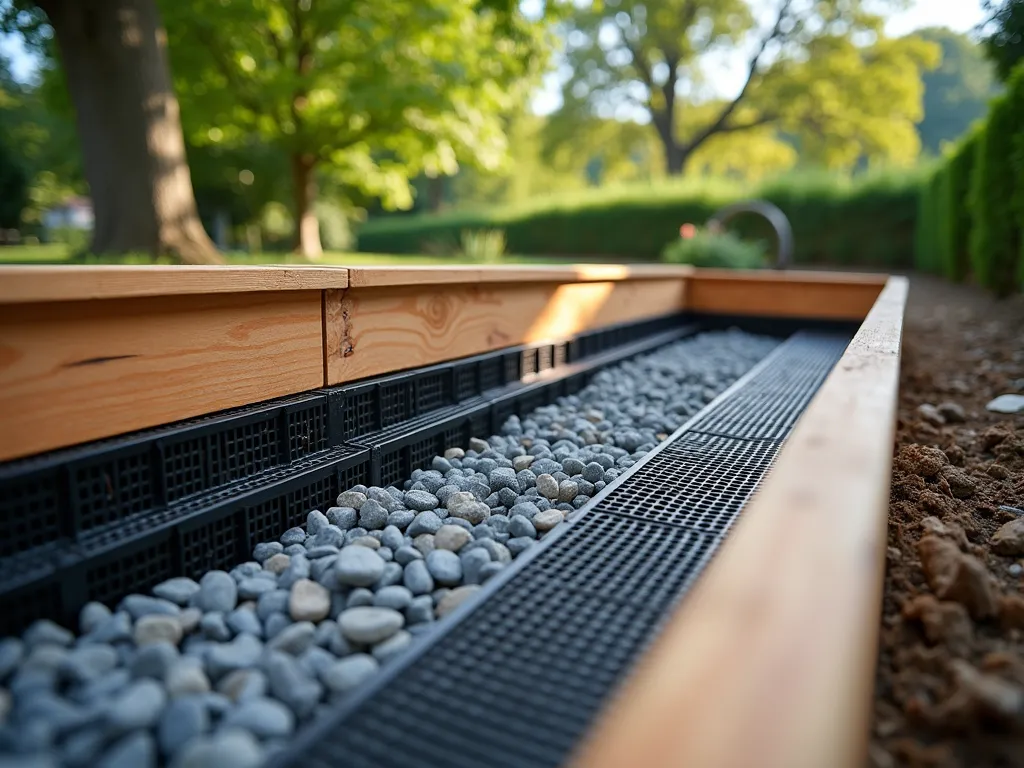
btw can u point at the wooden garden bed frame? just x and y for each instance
(769, 661)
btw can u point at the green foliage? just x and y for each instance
(929, 240)
(1004, 40)
(822, 71)
(867, 221)
(955, 210)
(486, 246)
(372, 93)
(995, 196)
(957, 92)
(707, 249)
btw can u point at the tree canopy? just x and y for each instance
(823, 70)
(1004, 34)
(365, 93)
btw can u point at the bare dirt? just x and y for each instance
(950, 680)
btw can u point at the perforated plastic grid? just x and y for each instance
(588, 600)
(536, 661)
(29, 513)
(770, 405)
(698, 482)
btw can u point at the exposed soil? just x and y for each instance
(950, 682)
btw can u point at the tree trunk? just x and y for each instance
(114, 54)
(307, 228)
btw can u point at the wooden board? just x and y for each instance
(380, 277)
(821, 295)
(77, 371)
(770, 660)
(22, 285)
(370, 331)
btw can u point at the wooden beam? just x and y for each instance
(382, 277)
(71, 372)
(819, 295)
(23, 285)
(377, 330)
(770, 661)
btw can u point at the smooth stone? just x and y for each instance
(417, 577)
(454, 599)
(568, 490)
(372, 515)
(467, 506)
(358, 566)
(392, 538)
(406, 554)
(186, 676)
(350, 672)
(451, 537)
(309, 601)
(367, 625)
(12, 651)
(421, 501)
(519, 545)
(232, 748)
(519, 525)
(420, 610)
(242, 653)
(445, 567)
(370, 542)
(424, 522)
(46, 632)
(277, 564)
(275, 624)
(137, 750)
(272, 602)
(183, 719)
(295, 549)
(392, 575)
(263, 717)
(472, 564)
(545, 521)
(547, 486)
(1006, 404)
(154, 660)
(293, 639)
(352, 499)
(290, 684)
(156, 628)
(138, 606)
(89, 662)
(178, 590)
(391, 647)
(401, 518)
(217, 592)
(189, 619)
(243, 620)
(395, 596)
(252, 587)
(138, 706)
(424, 543)
(525, 509)
(90, 618)
(296, 535)
(490, 570)
(478, 445)
(266, 550)
(343, 517)
(215, 627)
(317, 658)
(243, 684)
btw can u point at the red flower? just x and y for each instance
(687, 231)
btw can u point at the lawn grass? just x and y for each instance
(61, 254)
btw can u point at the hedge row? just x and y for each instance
(971, 210)
(865, 222)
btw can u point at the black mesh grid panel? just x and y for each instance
(545, 357)
(119, 573)
(433, 390)
(512, 363)
(391, 468)
(528, 362)
(307, 430)
(319, 494)
(265, 522)
(247, 450)
(109, 491)
(698, 482)
(560, 354)
(360, 412)
(421, 452)
(213, 545)
(41, 601)
(465, 381)
(491, 373)
(394, 403)
(28, 514)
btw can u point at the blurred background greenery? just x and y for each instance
(423, 131)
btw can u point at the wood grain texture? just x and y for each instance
(821, 295)
(22, 285)
(389, 329)
(770, 660)
(79, 371)
(381, 277)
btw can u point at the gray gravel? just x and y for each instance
(219, 671)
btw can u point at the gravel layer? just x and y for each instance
(220, 672)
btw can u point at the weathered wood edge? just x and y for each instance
(770, 660)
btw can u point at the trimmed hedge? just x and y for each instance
(866, 222)
(929, 209)
(956, 212)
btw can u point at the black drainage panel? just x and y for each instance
(515, 676)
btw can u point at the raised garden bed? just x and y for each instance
(476, 347)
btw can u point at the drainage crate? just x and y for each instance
(160, 422)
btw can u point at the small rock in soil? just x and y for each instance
(1007, 404)
(954, 575)
(1009, 539)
